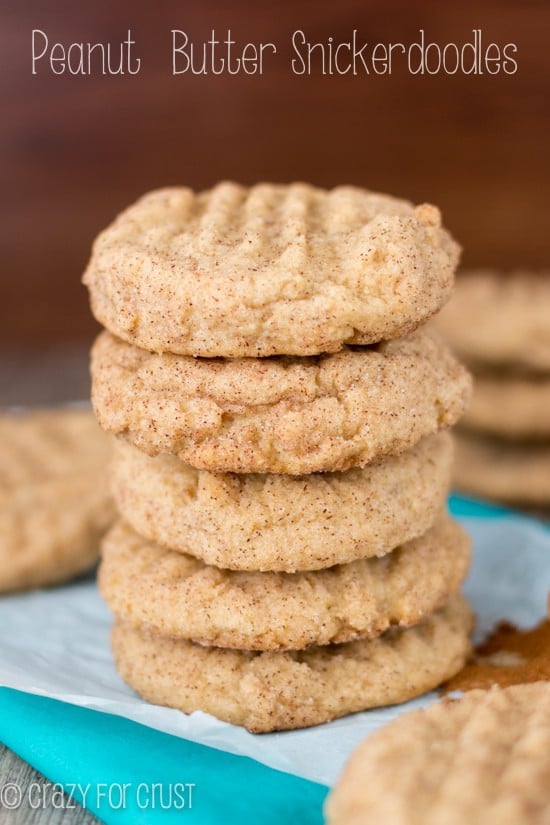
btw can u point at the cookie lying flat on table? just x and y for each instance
(279, 415)
(510, 407)
(482, 759)
(278, 522)
(175, 595)
(295, 689)
(54, 506)
(502, 470)
(500, 320)
(269, 270)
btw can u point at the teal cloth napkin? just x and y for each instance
(72, 745)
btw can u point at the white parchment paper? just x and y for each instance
(55, 643)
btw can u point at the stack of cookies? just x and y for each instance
(501, 326)
(283, 555)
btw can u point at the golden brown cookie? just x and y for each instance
(482, 759)
(54, 504)
(295, 689)
(175, 595)
(279, 415)
(269, 270)
(278, 522)
(510, 407)
(500, 320)
(503, 470)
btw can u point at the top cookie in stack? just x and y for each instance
(269, 270)
(272, 331)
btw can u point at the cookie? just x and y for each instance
(53, 501)
(171, 594)
(503, 470)
(482, 759)
(269, 270)
(278, 522)
(500, 320)
(295, 689)
(279, 415)
(510, 407)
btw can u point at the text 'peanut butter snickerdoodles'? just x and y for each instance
(501, 325)
(53, 496)
(283, 556)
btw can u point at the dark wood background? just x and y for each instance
(76, 150)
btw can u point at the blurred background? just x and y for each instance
(76, 150)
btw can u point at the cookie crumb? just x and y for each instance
(509, 656)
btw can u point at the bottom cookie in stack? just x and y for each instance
(276, 651)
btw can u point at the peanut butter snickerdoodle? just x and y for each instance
(54, 504)
(175, 595)
(482, 759)
(500, 320)
(269, 270)
(280, 415)
(294, 689)
(510, 407)
(278, 522)
(517, 473)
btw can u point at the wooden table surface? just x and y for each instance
(24, 777)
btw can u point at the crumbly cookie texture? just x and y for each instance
(280, 415)
(54, 504)
(175, 595)
(295, 689)
(278, 522)
(510, 407)
(516, 473)
(500, 320)
(269, 270)
(482, 759)
(508, 656)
